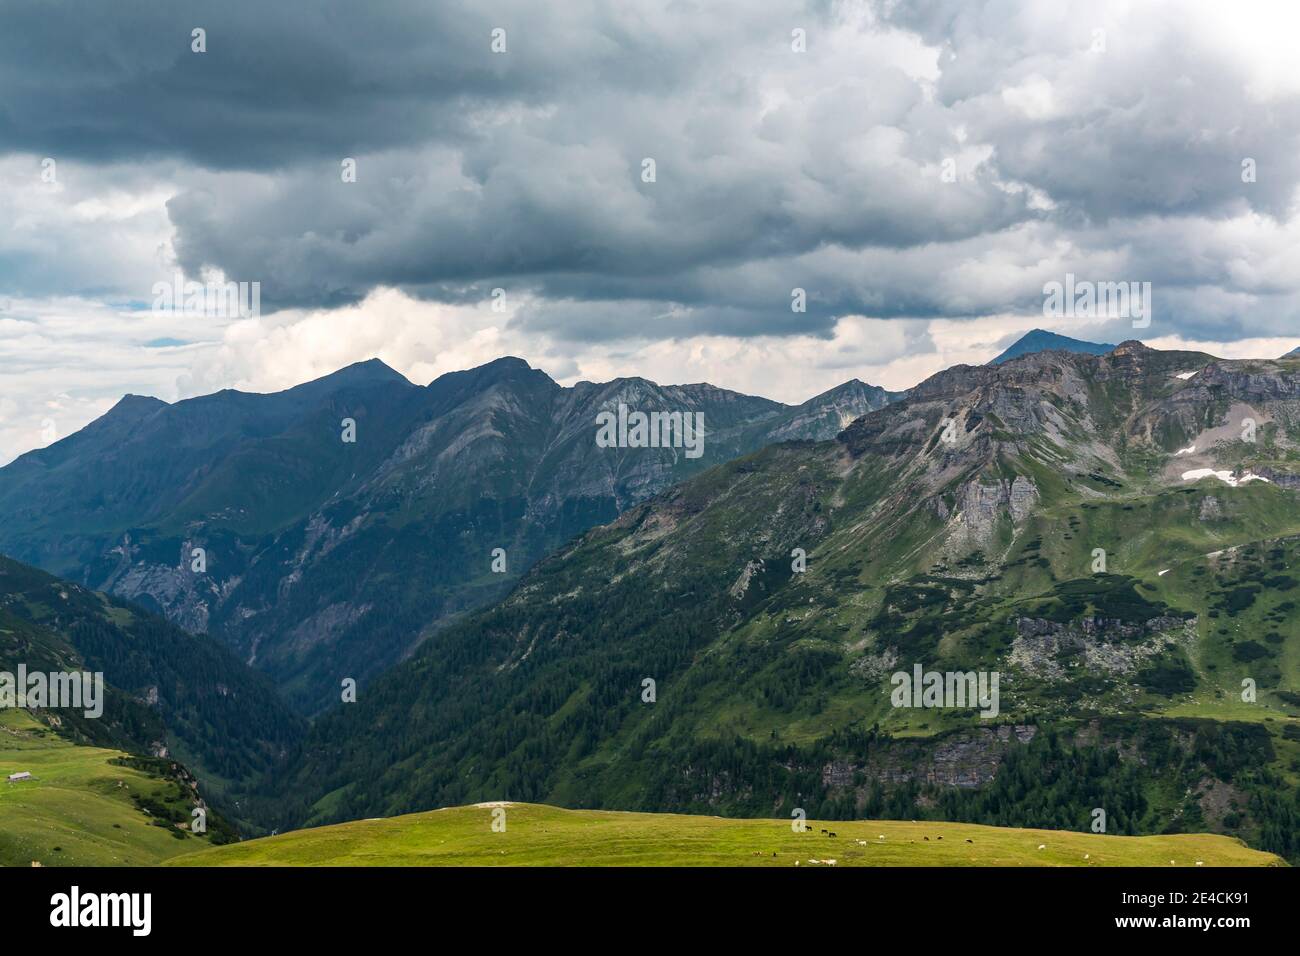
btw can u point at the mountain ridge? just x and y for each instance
(305, 535)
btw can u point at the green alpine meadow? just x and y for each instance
(544, 836)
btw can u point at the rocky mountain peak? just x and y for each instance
(371, 370)
(1131, 347)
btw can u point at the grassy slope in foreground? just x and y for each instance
(538, 835)
(78, 803)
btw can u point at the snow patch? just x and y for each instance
(1224, 476)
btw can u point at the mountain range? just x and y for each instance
(1113, 535)
(957, 530)
(320, 559)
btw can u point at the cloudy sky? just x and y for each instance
(921, 169)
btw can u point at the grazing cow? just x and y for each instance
(970, 841)
(823, 831)
(927, 839)
(832, 833)
(940, 838)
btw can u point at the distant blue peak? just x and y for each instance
(1040, 340)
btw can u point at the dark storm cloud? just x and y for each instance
(554, 216)
(278, 83)
(774, 169)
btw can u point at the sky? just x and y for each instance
(628, 187)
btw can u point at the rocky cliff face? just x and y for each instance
(1216, 399)
(980, 508)
(967, 759)
(1048, 650)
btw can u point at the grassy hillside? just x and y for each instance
(538, 835)
(82, 808)
(168, 692)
